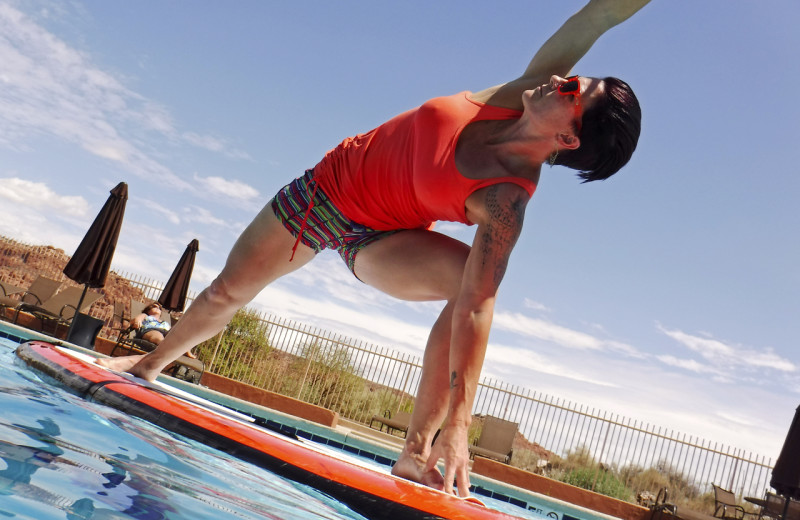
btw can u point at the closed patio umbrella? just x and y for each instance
(173, 297)
(90, 263)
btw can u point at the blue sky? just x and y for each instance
(667, 294)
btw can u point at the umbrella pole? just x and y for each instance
(77, 310)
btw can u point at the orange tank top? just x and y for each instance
(403, 175)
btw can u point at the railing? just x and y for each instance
(358, 380)
(617, 441)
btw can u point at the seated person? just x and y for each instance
(148, 324)
(149, 327)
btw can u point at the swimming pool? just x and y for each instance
(64, 455)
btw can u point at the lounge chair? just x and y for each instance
(121, 315)
(397, 422)
(725, 505)
(39, 291)
(496, 440)
(6, 290)
(167, 317)
(9, 289)
(663, 507)
(61, 307)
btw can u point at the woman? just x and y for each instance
(149, 326)
(473, 158)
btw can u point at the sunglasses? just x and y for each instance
(572, 87)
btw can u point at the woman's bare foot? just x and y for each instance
(130, 364)
(119, 364)
(411, 467)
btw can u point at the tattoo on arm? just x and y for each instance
(453, 376)
(502, 231)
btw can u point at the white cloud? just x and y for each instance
(687, 364)
(203, 216)
(536, 306)
(228, 187)
(52, 89)
(214, 144)
(37, 195)
(165, 212)
(727, 356)
(523, 359)
(562, 336)
(738, 419)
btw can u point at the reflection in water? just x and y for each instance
(23, 461)
(127, 492)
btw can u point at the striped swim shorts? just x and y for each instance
(323, 226)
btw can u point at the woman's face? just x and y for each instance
(554, 111)
(155, 311)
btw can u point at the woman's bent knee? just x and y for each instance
(221, 294)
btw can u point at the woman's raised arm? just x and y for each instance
(563, 49)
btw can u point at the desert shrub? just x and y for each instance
(526, 459)
(664, 475)
(579, 468)
(241, 351)
(324, 374)
(599, 480)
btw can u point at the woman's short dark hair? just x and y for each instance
(153, 305)
(609, 133)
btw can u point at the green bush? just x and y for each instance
(598, 480)
(324, 374)
(242, 341)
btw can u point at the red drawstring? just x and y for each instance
(304, 225)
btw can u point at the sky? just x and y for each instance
(668, 294)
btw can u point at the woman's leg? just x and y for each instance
(153, 336)
(420, 265)
(260, 256)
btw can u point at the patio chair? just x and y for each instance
(60, 308)
(39, 291)
(398, 422)
(496, 440)
(84, 331)
(725, 505)
(776, 505)
(662, 506)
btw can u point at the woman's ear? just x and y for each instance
(568, 141)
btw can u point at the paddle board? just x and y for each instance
(370, 491)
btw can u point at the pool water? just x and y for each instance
(64, 457)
